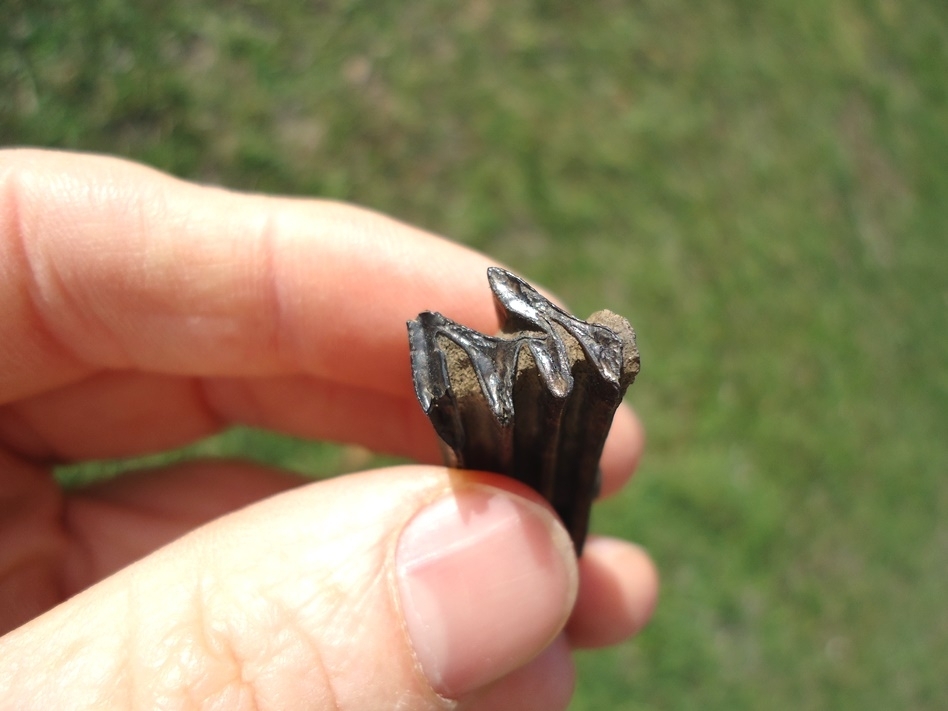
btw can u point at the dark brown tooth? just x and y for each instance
(534, 402)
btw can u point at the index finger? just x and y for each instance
(106, 264)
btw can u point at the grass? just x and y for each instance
(760, 188)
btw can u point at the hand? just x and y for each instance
(139, 313)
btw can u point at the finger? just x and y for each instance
(32, 542)
(545, 684)
(108, 414)
(622, 451)
(107, 264)
(136, 413)
(116, 522)
(410, 584)
(617, 593)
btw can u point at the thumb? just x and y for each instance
(394, 588)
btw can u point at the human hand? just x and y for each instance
(139, 313)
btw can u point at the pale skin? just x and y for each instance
(139, 312)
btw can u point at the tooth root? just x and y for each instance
(534, 402)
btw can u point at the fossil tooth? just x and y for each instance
(535, 402)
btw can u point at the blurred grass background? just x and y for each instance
(761, 188)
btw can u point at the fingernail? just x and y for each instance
(487, 579)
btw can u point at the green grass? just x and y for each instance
(760, 187)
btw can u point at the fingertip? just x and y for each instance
(622, 451)
(544, 684)
(618, 591)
